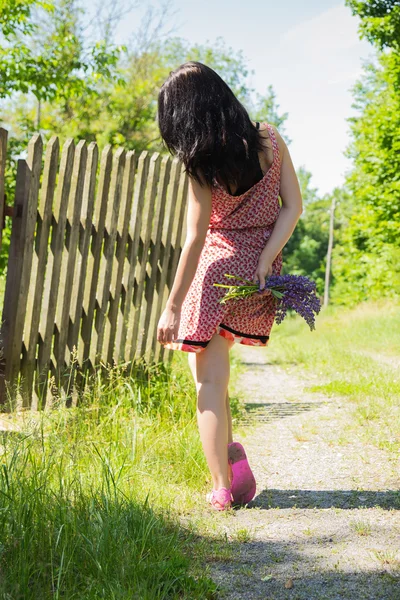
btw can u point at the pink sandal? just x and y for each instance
(220, 499)
(243, 483)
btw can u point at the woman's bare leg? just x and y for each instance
(192, 364)
(210, 369)
(229, 415)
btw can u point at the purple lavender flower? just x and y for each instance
(295, 292)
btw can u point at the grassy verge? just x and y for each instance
(89, 496)
(356, 354)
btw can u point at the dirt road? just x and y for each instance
(325, 523)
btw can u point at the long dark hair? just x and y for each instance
(203, 123)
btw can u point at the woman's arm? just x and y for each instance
(198, 220)
(291, 209)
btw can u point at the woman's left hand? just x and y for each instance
(263, 270)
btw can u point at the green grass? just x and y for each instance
(90, 495)
(355, 353)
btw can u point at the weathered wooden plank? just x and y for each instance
(13, 281)
(52, 281)
(171, 209)
(177, 240)
(123, 230)
(93, 270)
(29, 205)
(3, 157)
(134, 242)
(147, 340)
(178, 228)
(39, 262)
(179, 209)
(86, 221)
(140, 301)
(67, 290)
(169, 354)
(101, 332)
(181, 234)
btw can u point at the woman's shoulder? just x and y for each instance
(279, 139)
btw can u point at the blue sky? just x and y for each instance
(309, 51)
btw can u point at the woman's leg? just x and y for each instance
(210, 369)
(192, 364)
(229, 415)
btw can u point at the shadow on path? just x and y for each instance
(345, 499)
(269, 411)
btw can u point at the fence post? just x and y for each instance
(11, 294)
(20, 259)
(3, 154)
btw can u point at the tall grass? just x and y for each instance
(356, 354)
(89, 494)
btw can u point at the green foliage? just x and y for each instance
(15, 16)
(366, 262)
(356, 351)
(89, 494)
(380, 21)
(305, 252)
(60, 66)
(267, 109)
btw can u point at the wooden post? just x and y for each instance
(3, 155)
(20, 259)
(329, 253)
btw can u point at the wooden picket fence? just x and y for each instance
(93, 253)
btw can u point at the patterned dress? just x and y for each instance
(238, 231)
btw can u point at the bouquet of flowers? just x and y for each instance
(295, 292)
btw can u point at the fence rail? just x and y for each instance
(93, 252)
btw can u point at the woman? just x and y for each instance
(235, 224)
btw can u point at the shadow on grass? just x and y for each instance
(344, 499)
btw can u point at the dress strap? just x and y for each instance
(274, 141)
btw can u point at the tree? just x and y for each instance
(305, 252)
(59, 66)
(380, 21)
(366, 262)
(266, 107)
(123, 111)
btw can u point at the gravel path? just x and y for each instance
(325, 523)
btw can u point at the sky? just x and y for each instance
(311, 54)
